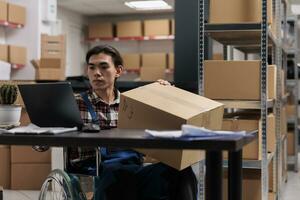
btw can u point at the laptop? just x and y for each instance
(51, 104)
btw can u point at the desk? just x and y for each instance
(127, 138)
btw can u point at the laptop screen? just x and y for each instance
(51, 104)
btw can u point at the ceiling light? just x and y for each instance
(295, 9)
(148, 5)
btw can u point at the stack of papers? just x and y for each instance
(189, 131)
(36, 130)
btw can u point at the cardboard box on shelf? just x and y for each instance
(148, 106)
(100, 29)
(60, 54)
(290, 111)
(29, 176)
(17, 55)
(251, 184)
(16, 14)
(291, 143)
(157, 27)
(154, 60)
(53, 46)
(152, 74)
(238, 11)
(172, 27)
(25, 154)
(283, 121)
(5, 166)
(3, 11)
(51, 63)
(50, 74)
(4, 52)
(52, 39)
(236, 80)
(171, 61)
(218, 56)
(132, 61)
(5, 70)
(129, 29)
(249, 122)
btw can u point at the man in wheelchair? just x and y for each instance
(122, 174)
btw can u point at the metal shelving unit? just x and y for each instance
(251, 38)
(292, 58)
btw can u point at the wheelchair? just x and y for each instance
(60, 184)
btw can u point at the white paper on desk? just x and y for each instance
(33, 129)
(192, 131)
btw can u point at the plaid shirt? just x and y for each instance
(108, 116)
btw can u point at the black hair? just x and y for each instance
(108, 50)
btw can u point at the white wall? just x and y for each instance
(73, 26)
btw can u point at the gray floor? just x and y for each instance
(290, 191)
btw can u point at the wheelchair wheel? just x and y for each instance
(59, 186)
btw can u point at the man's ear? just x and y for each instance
(119, 70)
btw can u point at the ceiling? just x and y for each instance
(102, 7)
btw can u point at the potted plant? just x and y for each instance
(9, 113)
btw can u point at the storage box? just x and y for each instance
(236, 80)
(291, 143)
(5, 70)
(25, 120)
(3, 51)
(53, 54)
(51, 63)
(283, 121)
(172, 27)
(132, 61)
(154, 60)
(16, 14)
(53, 46)
(53, 39)
(129, 29)
(156, 106)
(238, 11)
(25, 154)
(50, 74)
(160, 27)
(29, 176)
(101, 29)
(251, 184)
(17, 55)
(218, 56)
(5, 166)
(171, 61)
(249, 122)
(3, 11)
(152, 74)
(290, 111)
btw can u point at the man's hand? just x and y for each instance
(163, 82)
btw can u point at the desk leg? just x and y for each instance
(235, 177)
(214, 175)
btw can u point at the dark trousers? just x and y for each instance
(152, 182)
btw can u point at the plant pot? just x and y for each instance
(10, 114)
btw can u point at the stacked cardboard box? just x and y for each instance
(238, 11)
(5, 166)
(251, 183)
(29, 168)
(158, 27)
(291, 143)
(236, 80)
(153, 66)
(129, 29)
(4, 52)
(100, 30)
(16, 14)
(132, 61)
(3, 11)
(150, 105)
(53, 58)
(249, 122)
(17, 55)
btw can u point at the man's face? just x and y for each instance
(102, 72)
